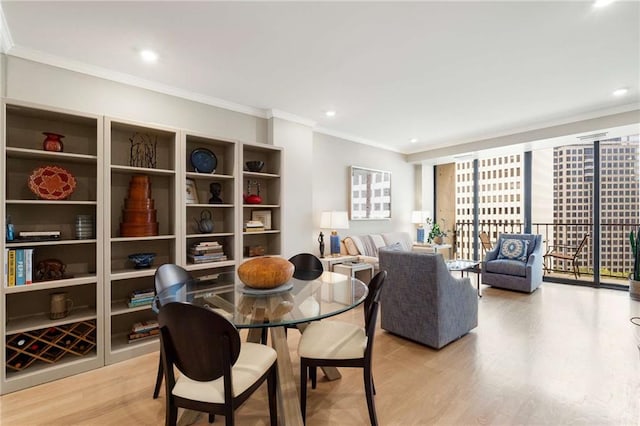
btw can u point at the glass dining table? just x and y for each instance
(297, 302)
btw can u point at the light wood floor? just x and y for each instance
(563, 355)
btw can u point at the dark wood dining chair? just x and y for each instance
(165, 276)
(218, 372)
(307, 266)
(341, 344)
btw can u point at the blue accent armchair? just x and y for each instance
(514, 274)
(422, 301)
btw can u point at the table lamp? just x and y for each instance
(334, 220)
(417, 218)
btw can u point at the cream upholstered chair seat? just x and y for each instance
(341, 344)
(333, 340)
(253, 362)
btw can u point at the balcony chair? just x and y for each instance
(341, 344)
(217, 372)
(167, 275)
(565, 254)
(515, 263)
(485, 241)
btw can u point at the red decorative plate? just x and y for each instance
(52, 183)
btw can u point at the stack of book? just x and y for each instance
(206, 251)
(18, 267)
(141, 298)
(143, 329)
(254, 226)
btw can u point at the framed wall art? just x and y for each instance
(370, 194)
(191, 192)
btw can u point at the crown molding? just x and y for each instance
(276, 113)
(356, 139)
(6, 40)
(95, 71)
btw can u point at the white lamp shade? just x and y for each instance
(334, 220)
(418, 216)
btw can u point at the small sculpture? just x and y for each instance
(50, 269)
(215, 188)
(52, 142)
(321, 241)
(252, 198)
(205, 224)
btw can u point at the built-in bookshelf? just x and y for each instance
(80, 244)
(43, 194)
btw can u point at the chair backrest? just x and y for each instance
(307, 266)
(371, 308)
(581, 245)
(200, 342)
(167, 275)
(486, 242)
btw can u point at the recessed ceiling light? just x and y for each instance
(413, 140)
(330, 113)
(620, 92)
(602, 3)
(148, 55)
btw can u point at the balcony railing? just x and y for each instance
(615, 250)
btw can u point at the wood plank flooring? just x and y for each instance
(563, 355)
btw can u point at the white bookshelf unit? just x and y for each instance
(99, 277)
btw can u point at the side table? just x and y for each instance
(360, 270)
(329, 262)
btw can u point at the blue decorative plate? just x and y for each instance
(203, 160)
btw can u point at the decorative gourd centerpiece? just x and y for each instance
(265, 272)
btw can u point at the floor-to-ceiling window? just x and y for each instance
(585, 199)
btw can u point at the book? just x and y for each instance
(143, 326)
(138, 303)
(206, 244)
(28, 265)
(20, 277)
(142, 293)
(6, 267)
(134, 337)
(39, 233)
(254, 229)
(12, 268)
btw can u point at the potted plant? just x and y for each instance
(634, 277)
(436, 234)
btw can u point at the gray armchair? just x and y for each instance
(422, 301)
(515, 274)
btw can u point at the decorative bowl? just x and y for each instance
(142, 260)
(254, 166)
(265, 272)
(52, 183)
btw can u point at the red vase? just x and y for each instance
(52, 142)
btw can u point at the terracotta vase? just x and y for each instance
(52, 142)
(437, 240)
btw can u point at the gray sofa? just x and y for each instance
(422, 301)
(525, 276)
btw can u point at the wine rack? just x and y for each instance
(50, 344)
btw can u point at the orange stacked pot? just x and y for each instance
(139, 215)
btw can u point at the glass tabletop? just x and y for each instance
(295, 302)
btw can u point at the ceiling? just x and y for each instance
(446, 73)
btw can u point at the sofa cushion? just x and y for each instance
(513, 248)
(404, 238)
(507, 267)
(395, 247)
(351, 247)
(368, 245)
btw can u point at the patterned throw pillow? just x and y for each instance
(513, 249)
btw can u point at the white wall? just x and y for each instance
(296, 139)
(332, 158)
